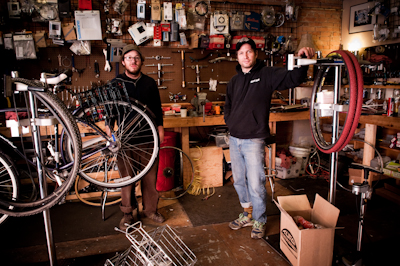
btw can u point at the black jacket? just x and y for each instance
(145, 90)
(248, 98)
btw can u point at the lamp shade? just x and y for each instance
(306, 41)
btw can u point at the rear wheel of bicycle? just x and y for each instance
(8, 182)
(50, 114)
(100, 151)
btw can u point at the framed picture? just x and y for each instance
(359, 18)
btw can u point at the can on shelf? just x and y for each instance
(390, 108)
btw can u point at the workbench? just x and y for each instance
(182, 125)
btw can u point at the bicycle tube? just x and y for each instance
(358, 108)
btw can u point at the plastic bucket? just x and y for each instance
(301, 153)
(166, 170)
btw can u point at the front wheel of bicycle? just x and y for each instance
(42, 161)
(8, 182)
(133, 141)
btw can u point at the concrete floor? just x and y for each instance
(213, 244)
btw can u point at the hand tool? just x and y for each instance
(182, 52)
(159, 66)
(73, 63)
(107, 66)
(219, 59)
(96, 69)
(159, 72)
(197, 68)
(199, 59)
(158, 57)
(59, 60)
(159, 81)
(80, 71)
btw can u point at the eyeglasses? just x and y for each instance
(132, 58)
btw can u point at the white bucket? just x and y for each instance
(301, 153)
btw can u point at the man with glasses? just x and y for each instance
(144, 89)
(246, 113)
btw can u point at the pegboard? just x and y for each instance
(222, 71)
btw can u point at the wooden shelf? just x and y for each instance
(378, 86)
(389, 149)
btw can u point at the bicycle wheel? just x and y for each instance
(49, 115)
(100, 151)
(350, 109)
(8, 182)
(88, 189)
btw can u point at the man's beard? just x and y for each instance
(134, 73)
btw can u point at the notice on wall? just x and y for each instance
(88, 25)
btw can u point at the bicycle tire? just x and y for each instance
(353, 113)
(59, 111)
(100, 156)
(9, 186)
(95, 204)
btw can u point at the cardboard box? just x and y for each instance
(392, 169)
(307, 246)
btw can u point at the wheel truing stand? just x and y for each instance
(365, 191)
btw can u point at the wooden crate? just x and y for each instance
(208, 163)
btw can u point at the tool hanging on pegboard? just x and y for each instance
(182, 52)
(96, 69)
(107, 66)
(197, 69)
(160, 72)
(158, 57)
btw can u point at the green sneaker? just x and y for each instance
(258, 230)
(241, 222)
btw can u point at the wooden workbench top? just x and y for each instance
(177, 121)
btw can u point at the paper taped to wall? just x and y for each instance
(88, 25)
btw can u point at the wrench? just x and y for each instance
(107, 66)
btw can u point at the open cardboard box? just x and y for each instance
(307, 247)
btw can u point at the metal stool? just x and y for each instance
(271, 172)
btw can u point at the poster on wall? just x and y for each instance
(360, 19)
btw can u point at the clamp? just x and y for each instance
(296, 62)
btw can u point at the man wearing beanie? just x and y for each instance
(247, 106)
(144, 89)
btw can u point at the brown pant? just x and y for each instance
(150, 195)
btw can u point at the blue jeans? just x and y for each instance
(247, 161)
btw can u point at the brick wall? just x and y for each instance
(323, 20)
